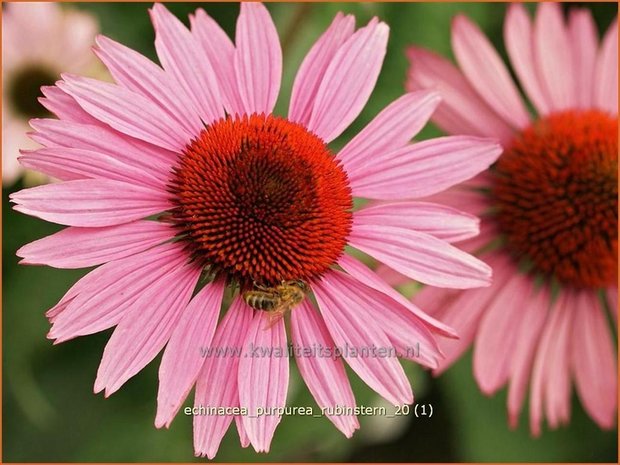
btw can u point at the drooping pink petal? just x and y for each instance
(101, 138)
(425, 168)
(258, 59)
(145, 328)
(313, 67)
(606, 73)
(376, 281)
(553, 58)
(182, 57)
(83, 247)
(519, 40)
(137, 73)
(584, 41)
(90, 202)
(497, 334)
(593, 360)
(421, 257)
(126, 111)
(462, 110)
(354, 335)
(216, 386)
(99, 300)
(349, 80)
(68, 164)
(221, 54)
(442, 222)
(182, 359)
(64, 106)
(486, 72)
(391, 129)
(244, 439)
(408, 335)
(263, 379)
(82, 284)
(524, 351)
(550, 386)
(462, 310)
(325, 376)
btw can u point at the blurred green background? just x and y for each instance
(50, 413)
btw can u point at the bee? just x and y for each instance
(277, 300)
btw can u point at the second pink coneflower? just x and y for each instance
(549, 208)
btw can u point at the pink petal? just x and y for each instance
(137, 73)
(465, 197)
(181, 56)
(528, 335)
(391, 129)
(325, 376)
(183, 359)
(462, 110)
(145, 328)
(594, 360)
(151, 159)
(375, 281)
(101, 298)
(263, 379)
(349, 80)
(408, 335)
(519, 40)
(244, 439)
(421, 257)
(462, 310)
(127, 112)
(221, 52)
(606, 74)
(584, 40)
(390, 276)
(312, 69)
(83, 247)
(69, 164)
(352, 331)
(550, 386)
(90, 202)
(425, 168)
(552, 52)
(486, 72)
(497, 333)
(216, 385)
(258, 59)
(64, 106)
(442, 222)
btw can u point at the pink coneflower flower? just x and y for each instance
(39, 41)
(180, 183)
(549, 208)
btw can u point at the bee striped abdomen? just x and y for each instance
(261, 300)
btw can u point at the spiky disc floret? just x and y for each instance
(557, 197)
(262, 199)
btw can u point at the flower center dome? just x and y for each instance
(556, 193)
(263, 200)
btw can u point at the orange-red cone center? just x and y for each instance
(262, 200)
(557, 197)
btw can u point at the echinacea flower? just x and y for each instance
(39, 41)
(548, 206)
(180, 182)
